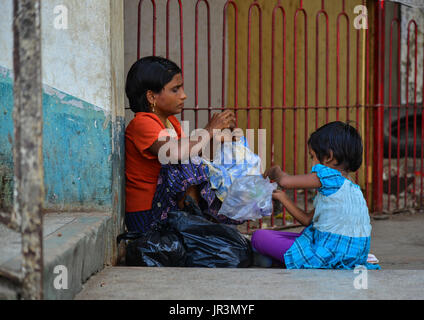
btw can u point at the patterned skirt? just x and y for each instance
(173, 182)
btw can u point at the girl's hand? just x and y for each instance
(223, 120)
(237, 133)
(279, 195)
(274, 173)
(297, 213)
(233, 135)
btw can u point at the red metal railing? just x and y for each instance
(383, 121)
(278, 8)
(196, 64)
(411, 50)
(378, 101)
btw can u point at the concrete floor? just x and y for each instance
(398, 242)
(10, 241)
(124, 283)
(75, 240)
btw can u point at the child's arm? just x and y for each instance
(305, 218)
(287, 181)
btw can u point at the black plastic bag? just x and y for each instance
(159, 247)
(209, 244)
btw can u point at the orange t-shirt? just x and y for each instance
(142, 167)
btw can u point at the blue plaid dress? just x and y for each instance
(340, 233)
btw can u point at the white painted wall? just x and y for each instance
(6, 34)
(76, 60)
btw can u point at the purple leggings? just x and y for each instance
(273, 243)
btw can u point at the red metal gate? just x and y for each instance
(356, 74)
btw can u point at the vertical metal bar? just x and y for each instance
(181, 39)
(233, 4)
(406, 118)
(395, 20)
(338, 65)
(367, 103)
(319, 13)
(209, 64)
(260, 80)
(277, 8)
(139, 29)
(410, 23)
(248, 77)
(306, 126)
(254, 4)
(398, 109)
(273, 90)
(379, 111)
(224, 28)
(347, 64)
(300, 9)
(249, 27)
(196, 63)
(28, 162)
(343, 14)
(390, 115)
(414, 153)
(357, 104)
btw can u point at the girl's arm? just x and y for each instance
(305, 218)
(177, 150)
(181, 149)
(286, 181)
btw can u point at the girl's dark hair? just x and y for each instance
(343, 140)
(148, 73)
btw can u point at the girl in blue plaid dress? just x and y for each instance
(338, 229)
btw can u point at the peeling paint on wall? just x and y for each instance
(6, 140)
(75, 60)
(76, 151)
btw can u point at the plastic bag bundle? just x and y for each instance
(209, 244)
(249, 198)
(159, 247)
(232, 161)
(188, 239)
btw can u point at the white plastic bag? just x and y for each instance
(249, 198)
(232, 161)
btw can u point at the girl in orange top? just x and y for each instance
(155, 92)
